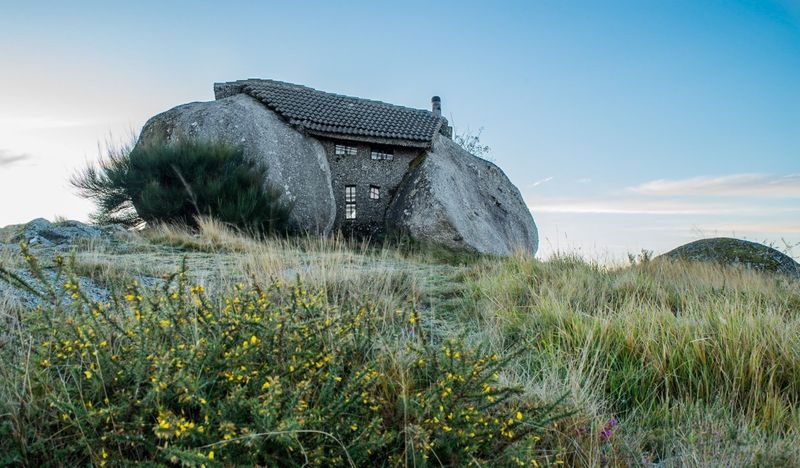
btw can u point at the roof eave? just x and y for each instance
(423, 144)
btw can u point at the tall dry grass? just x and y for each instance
(693, 364)
(661, 346)
(348, 270)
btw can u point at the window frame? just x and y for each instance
(349, 193)
(381, 154)
(349, 211)
(340, 149)
(374, 192)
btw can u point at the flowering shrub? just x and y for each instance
(256, 375)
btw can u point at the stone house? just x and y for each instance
(370, 145)
(362, 167)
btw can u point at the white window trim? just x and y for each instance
(345, 150)
(349, 211)
(350, 193)
(379, 155)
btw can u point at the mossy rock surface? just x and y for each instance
(737, 252)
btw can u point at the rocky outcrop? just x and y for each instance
(294, 162)
(41, 232)
(737, 252)
(454, 198)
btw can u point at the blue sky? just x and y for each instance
(625, 124)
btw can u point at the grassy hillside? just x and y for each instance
(658, 363)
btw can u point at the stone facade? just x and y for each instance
(363, 173)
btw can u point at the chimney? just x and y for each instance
(436, 106)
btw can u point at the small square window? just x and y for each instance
(382, 154)
(374, 192)
(350, 193)
(344, 150)
(350, 211)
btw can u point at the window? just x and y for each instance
(350, 211)
(344, 150)
(374, 192)
(383, 154)
(349, 202)
(350, 193)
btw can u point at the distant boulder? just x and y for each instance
(295, 163)
(737, 252)
(43, 233)
(454, 198)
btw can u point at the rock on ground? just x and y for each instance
(41, 232)
(46, 240)
(295, 163)
(457, 199)
(737, 252)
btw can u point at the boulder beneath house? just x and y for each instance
(295, 163)
(457, 199)
(737, 252)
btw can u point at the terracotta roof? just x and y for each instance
(337, 115)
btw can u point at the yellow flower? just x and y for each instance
(88, 374)
(353, 428)
(519, 416)
(211, 455)
(253, 340)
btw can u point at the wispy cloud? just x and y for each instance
(584, 180)
(753, 227)
(737, 185)
(634, 205)
(8, 158)
(24, 123)
(540, 182)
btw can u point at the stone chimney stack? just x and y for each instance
(436, 106)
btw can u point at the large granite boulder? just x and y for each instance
(737, 252)
(294, 162)
(454, 198)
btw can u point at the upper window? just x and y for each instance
(350, 194)
(344, 150)
(374, 192)
(382, 154)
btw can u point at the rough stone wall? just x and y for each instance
(362, 171)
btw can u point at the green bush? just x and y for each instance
(255, 375)
(177, 182)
